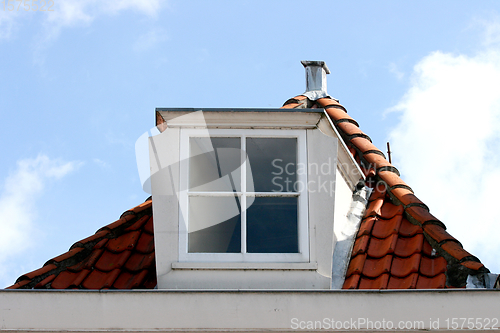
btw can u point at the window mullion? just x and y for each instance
(243, 196)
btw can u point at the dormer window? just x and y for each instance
(245, 197)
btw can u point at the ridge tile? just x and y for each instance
(438, 233)
(455, 250)
(474, 265)
(420, 214)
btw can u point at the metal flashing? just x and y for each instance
(343, 247)
(304, 110)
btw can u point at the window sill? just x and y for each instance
(304, 266)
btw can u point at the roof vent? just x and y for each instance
(315, 79)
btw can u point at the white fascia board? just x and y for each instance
(242, 311)
(242, 118)
(282, 266)
(346, 164)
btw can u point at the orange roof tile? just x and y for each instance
(383, 229)
(408, 282)
(437, 282)
(375, 267)
(432, 266)
(379, 282)
(360, 245)
(407, 246)
(380, 247)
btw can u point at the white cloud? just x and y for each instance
(447, 145)
(68, 13)
(490, 29)
(7, 22)
(101, 163)
(73, 12)
(393, 68)
(18, 204)
(150, 39)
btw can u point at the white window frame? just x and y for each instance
(303, 223)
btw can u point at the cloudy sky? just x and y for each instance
(79, 85)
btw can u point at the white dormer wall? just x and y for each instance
(326, 207)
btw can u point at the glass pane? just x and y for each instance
(272, 226)
(214, 225)
(214, 164)
(273, 164)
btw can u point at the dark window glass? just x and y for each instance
(273, 164)
(272, 225)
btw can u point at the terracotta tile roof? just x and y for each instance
(118, 256)
(400, 244)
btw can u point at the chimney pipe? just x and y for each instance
(315, 79)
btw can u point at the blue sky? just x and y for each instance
(79, 85)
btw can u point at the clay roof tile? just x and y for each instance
(375, 267)
(407, 246)
(381, 247)
(379, 282)
(402, 267)
(384, 228)
(431, 267)
(408, 282)
(436, 282)
(100, 280)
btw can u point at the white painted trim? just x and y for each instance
(278, 119)
(235, 310)
(303, 234)
(310, 266)
(322, 186)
